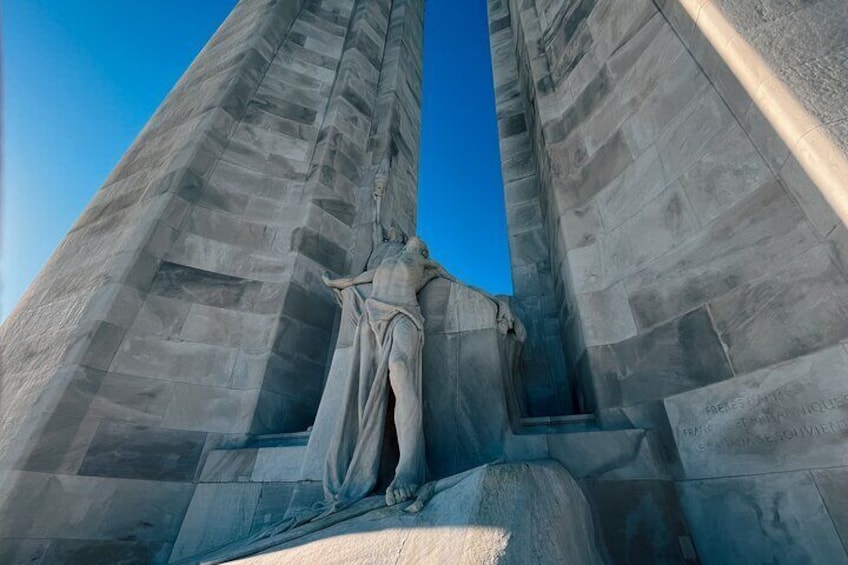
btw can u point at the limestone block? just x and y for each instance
(784, 418)
(211, 255)
(205, 287)
(286, 413)
(481, 418)
(211, 409)
(606, 316)
(160, 317)
(590, 270)
(218, 513)
(93, 345)
(138, 452)
(774, 518)
(678, 356)
(131, 399)
(62, 441)
(521, 190)
(294, 337)
(274, 500)
(468, 310)
(289, 374)
(611, 24)
(249, 369)
(725, 176)
(624, 454)
(809, 197)
(635, 70)
(230, 229)
(694, 133)
(304, 496)
(675, 88)
(23, 551)
(580, 226)
(528, 247)
(176, 360)
(640, 521)
(637, 185)
(652, 232)
(278, 464)
(325, 419)
(74, 507)
(751, 240)
(831, 484)
(722, 78)
(229, 466)
(86, 552)
(601, 169)
(216, 326)
(809, 290)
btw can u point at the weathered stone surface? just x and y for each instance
(681, 355)
(725, 176)
(480, 507)
(23, 551)
(784, 418)
(273, 505)
(745, 244)
(86, 552)
(131, 399)
(774, 518)
(624, 454)
(809, 290)
(138, 452)
(218, 513)
(176, 360)
(831, 484)
(229, 466)
(212, 409)
(606, 316)
(640, 521)
(275, 464)
(73, 507)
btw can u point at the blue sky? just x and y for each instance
(81, 77)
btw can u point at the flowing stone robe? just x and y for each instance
(353, 458)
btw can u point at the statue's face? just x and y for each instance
(416, 245)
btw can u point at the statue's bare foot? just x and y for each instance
(399, 491)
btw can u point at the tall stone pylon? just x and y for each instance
(184, 309)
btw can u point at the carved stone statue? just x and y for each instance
(387, 351)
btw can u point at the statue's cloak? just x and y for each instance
(353, 458)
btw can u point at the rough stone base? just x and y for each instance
(510, 513)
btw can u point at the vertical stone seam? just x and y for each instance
(842, 540)
(724, 346)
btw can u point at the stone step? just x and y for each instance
(558, 424)
(280, 463)
(280, 440)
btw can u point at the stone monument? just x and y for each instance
(388, 349)
(674, 178)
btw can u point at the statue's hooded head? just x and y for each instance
(395, 235)
(417, 245)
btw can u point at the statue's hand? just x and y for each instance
(325, 278)
(506, 320)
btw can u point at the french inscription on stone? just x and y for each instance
(789, 417)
